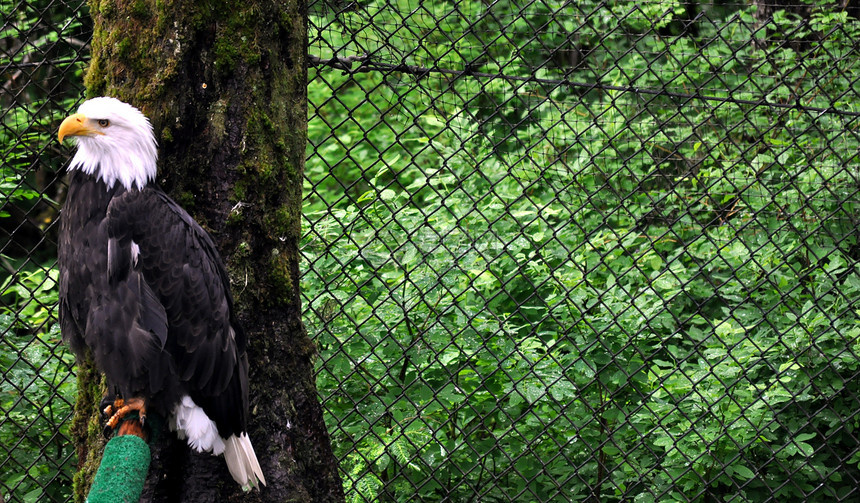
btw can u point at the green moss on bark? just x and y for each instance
(280, 277)
(86, 427)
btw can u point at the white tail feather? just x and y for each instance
(191, 422)
(242, 461)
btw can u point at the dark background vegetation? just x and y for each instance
(585, 251)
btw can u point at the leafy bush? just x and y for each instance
(42, 73)
(37, 392)
(628, 296)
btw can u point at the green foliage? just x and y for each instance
(635, 296)
(39, 43)
(38, 389)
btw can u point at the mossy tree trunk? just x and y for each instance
(224, 85)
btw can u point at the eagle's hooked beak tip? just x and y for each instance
(73, 125)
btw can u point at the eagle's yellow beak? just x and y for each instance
(76, 125)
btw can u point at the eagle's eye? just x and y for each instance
(104, 122)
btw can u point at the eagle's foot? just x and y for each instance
(119, 409)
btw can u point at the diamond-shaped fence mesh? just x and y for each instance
(553, 250)
(43, 52)
(600, 251)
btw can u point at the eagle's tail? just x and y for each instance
(242, 461)
(191, 422)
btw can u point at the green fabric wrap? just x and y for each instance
(122, 471)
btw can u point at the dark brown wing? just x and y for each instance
(122, 322)
(151, 236)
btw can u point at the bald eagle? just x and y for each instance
(144, 290)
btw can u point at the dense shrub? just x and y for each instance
(522, 291)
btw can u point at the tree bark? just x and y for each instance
(224, 85)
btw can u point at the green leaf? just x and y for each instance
(742, 471)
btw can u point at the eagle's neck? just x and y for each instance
(133, 164)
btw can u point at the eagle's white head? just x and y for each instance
(115, 142)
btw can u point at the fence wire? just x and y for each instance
(43, 52)
(553, 250)
(586, 251)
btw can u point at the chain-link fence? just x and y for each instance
(553, 251)
(43, 52)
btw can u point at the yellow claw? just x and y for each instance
(122, 408)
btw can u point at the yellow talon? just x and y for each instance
(121, 408)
